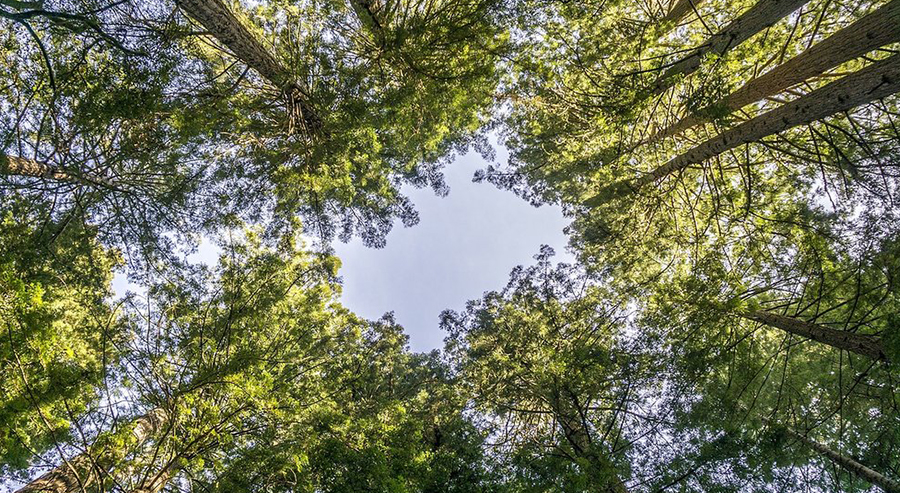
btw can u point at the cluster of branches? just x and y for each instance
(730, 168)
(129, 130)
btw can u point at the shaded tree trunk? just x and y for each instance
(222, 24)
(366, 12)
(578, 437)
(675, 14)
(158, 481)
(762, 15)
(876, 29)
(89, 468)
(19, 166)
(859, 470)
(876, 81)
(868, 346)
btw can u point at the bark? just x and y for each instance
(89, 468)
(366, 12)
(762, 15)
(14, 165)
(223, 25)
(678, 11)
(859, 470)
(578, 437)
(876, 81)
(19, 166)
(876, 29)
(868, 346)
(159, 480)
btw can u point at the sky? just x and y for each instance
(465, 244)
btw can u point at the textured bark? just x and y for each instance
(158, 481)
(676, 13)
(19, 166)
(222, 24)
(366, 12)
(88, 469)
(859, 470)
(14, 165)
(762, 15)
(868, 346)
(869, 84)
(876, 29)
(578, 437)
(215, 16)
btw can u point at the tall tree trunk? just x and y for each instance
(868, 346)
(222, 24)
(88, 469)
(859, 470)
(675, 14)
(876, 29)
(578, 437)
(158, 481)
(876, 81)
(14, 165)
(19, 166)
(367, 13)
(762, 15)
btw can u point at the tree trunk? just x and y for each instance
(868, 346)
(876, 29)
(228, 29)
(222, 24)
(14, 165)
(578, 436)
(366, 12)
(675, 14)
(158, 481)
(854, 467)
(762, 15)
(89, 468)
(19, 166)
(876, 81)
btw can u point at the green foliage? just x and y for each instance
(549, 360)
(396, 104)
(128, 131)
(59, 334)
(107, 120)
(269, 385)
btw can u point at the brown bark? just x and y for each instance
(89, 468)
(859, 470)
(14, 165)
(19, 166)
(578, 437)
(868, 346)
(869, 84)
(223, 25)
(876, 29)
(366, 12)
(762, 15)
(676, 13)
(158, 481)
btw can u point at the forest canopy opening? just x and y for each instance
(729, 171)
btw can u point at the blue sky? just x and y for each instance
(465, 244)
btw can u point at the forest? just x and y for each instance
(730, 172)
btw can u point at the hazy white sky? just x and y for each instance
(465, 244)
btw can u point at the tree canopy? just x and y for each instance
(730, 169)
